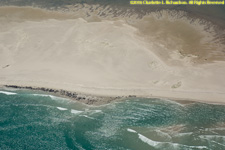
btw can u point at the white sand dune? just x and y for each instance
(102, 58)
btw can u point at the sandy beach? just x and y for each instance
(112, 57)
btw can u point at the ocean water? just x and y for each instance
(31, 120)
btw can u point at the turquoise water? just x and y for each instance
(31, 120)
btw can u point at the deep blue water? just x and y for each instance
(30, 120)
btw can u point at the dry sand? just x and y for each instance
(151, 57)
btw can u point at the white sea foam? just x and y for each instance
(44, 95)
(94, 111)
(61, 108)
(179, 135)
(212, 136)
(219, 129)
(8, 93)
(130, 130)
(97, 111)
(199, 147)
(52, 97)
(172, 145)
(174, 102)
(76, 111)
(87, 116)
(147, 140)
(218, 143)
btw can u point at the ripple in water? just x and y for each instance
(37, 121)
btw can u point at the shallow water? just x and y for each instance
(31, 120)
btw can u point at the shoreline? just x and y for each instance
(97, 100)
(80, 97)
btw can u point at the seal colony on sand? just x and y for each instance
(90, 49)
(84, 98)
